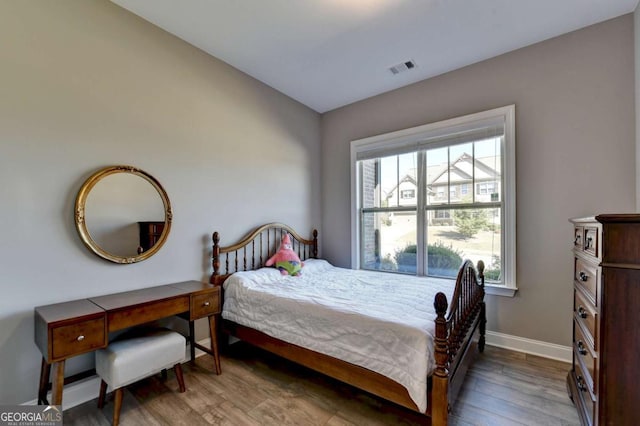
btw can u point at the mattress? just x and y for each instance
(380, 321)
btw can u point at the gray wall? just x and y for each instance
(86, 84)
(574, 98)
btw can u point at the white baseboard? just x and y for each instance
(87, 389)
(76, 393)
(529, 346)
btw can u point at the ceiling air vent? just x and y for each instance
(402, 67)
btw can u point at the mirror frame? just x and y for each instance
(81, 225)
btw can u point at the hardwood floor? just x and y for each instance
(256, 388)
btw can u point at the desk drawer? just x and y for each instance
(78, 338)
(130, 316)
(203, 305)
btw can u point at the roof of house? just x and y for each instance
(460, 171)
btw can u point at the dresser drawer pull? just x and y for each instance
(581, 384)
(581, 349)
(582, 312)
(577, 240)
(206, 304)
(583, 276)
(588, 245)
(80, 338)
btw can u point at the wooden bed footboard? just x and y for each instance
(459, 326)
(455, 347)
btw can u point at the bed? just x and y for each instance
(403, 351)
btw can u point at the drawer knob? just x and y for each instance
(581, 384)
(583, 276)
(577, 240)
(80, 338)
(206, 304)
(582, 312)
(581, 349)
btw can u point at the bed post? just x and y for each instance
(483, 311)
(314, 253)
(215, 258)
(440, 379)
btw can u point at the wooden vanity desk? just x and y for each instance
(64, 330)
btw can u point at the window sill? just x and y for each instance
(500, 290)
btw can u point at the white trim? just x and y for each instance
(355, 223)
(530, 346)
(89, 388)
(509, 192)
(499, 290)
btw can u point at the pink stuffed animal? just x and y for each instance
(285, 259)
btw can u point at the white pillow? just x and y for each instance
(316, 266)
(261, 275)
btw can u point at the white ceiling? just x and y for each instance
(329, 53)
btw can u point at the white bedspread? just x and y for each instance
(383, 322)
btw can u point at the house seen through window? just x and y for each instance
(425, 202)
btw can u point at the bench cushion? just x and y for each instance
(134, 358)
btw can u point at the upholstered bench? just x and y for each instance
(136, 356)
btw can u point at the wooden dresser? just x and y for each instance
(604, 382)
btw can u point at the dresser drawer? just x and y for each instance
(205, 304)
(578, 235)
(585, 357)
(586, 403)
(587, 276)
(78, 338)
(591, 241)
(586, 314)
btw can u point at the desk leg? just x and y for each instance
(58, 383)
(213, 332)
(192, 341)
(45, 371)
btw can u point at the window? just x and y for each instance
(485, 188)
(407, 193)
(440, 220)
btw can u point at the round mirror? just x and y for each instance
(123, 214)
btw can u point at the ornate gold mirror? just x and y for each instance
(123, 214)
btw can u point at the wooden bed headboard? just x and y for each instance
(255, 248)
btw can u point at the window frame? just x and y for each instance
(408, 139)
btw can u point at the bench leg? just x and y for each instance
(178, 370)
(117, 405)
(103, 392)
